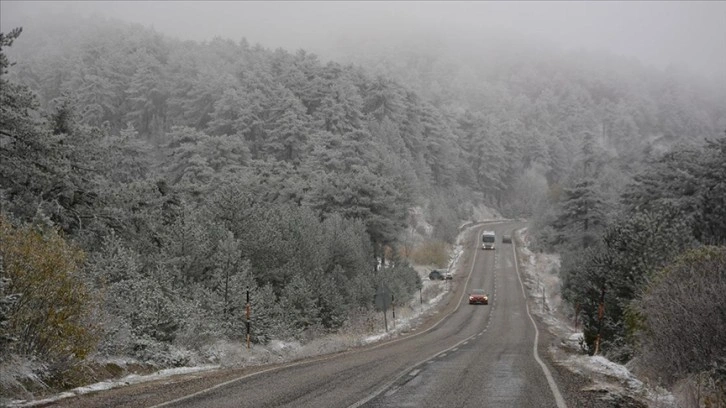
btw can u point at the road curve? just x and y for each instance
(475, 356)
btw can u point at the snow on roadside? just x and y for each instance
(540, 274)
(278, 351)
(107, 385)
(435, 290)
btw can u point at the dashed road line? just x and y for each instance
(394, 380)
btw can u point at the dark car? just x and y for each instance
(437, 275)
(507, 239)
(478, 296)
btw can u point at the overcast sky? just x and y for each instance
(690, 35)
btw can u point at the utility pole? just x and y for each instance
(385, 318)
(393, 308)
(247, 315)
(382, 303)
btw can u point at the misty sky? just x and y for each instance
(690, 35)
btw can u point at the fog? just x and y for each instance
(687, 35)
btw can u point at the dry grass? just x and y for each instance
(431, 253)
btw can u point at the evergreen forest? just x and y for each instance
(147, 184)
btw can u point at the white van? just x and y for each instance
(487, 239)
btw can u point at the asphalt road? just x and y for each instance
(475, 356)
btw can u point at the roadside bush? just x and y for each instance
(617, 268)
(683, 317)
(49, 318)
(402, 280)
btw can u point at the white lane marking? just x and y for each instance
(442, 355)
(329, 357)
(551, 381)
(220, 385)
(414, 372)
(456, 349)
(398, 377)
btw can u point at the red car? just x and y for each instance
(478, 296)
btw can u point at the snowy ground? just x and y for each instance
(610, 380)
(433, 293)
(407, 319)
(540, 274)
(107, 385)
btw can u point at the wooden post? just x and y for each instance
(393, 309)
(600, 315)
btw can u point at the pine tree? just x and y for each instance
(583, 209)
(340, 110)
(129, 156)
(286, 128)
(581, 214)
(618, 266)
(147, 95)
(302, 306)
(710, 222)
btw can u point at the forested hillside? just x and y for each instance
(166, 178)
(622, 170)
(180, 175)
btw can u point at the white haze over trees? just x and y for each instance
(159, 158)
(687, 35)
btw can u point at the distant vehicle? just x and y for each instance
(506, 239)
(448, 275)
(436, 275)
(478, 296)
(487, 239)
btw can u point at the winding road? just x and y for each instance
(473, 356)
